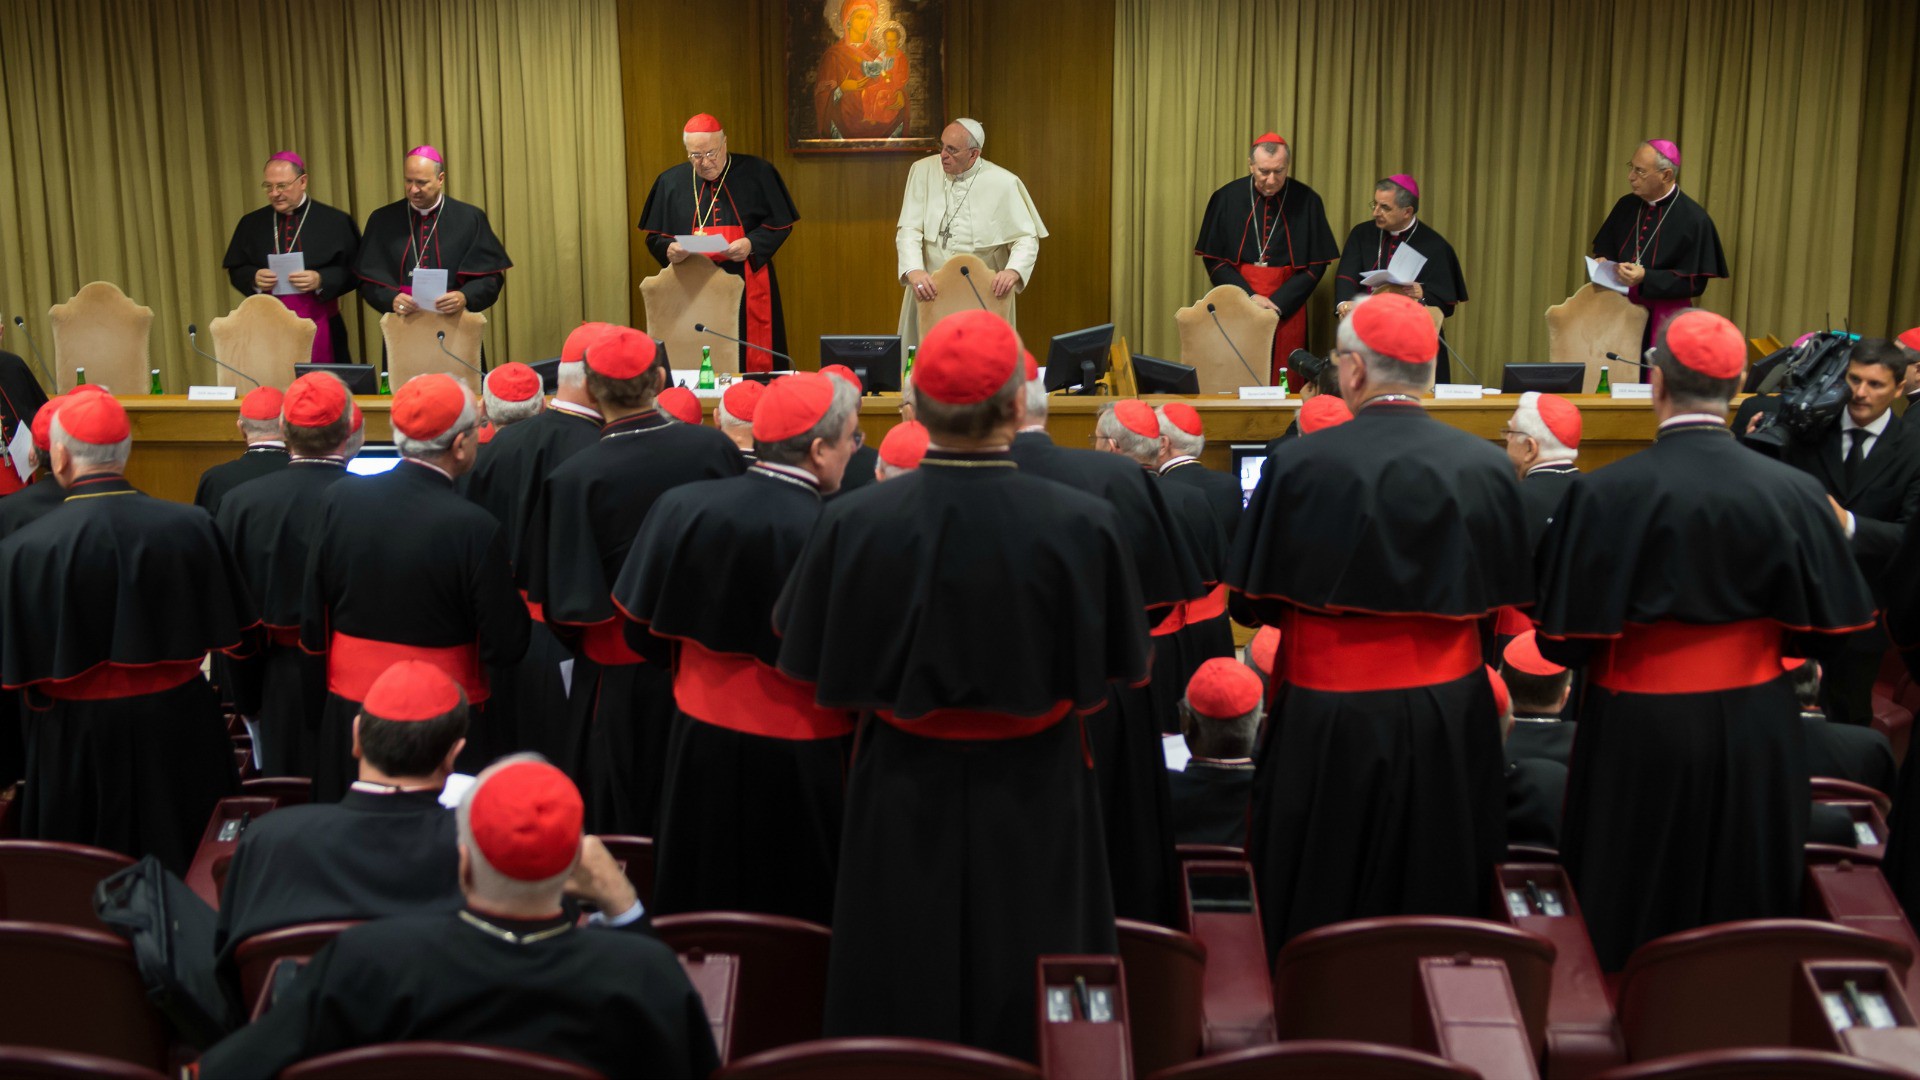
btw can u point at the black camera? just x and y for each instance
(1810, 383)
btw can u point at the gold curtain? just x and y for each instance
(132, 137)
(1795, 121)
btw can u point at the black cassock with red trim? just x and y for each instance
(454, 235)
(748, 200)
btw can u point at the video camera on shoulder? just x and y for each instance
(1799, 391)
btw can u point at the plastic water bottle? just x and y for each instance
(706, 368)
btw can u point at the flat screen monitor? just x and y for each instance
(875, 358)
(374, 459)
(1153, 375)
(1546, 378)
(1079, 358)
(1249, 461)
(360, 378)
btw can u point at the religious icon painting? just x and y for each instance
(865, 75)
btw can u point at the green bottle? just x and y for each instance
(1283, 382)
(385, 386)
(153, 383)
(1605, 385)
(706, 368)
(79, 376)
(911, 350)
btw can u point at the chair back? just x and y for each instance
(1731, 985)
(952, 292)
(413, 1060)
(30, 1063)
(49, 882)
(1756, 1064)
(877, 1059)
(100, 329)
(695, 291)
(256, 955)
(263, 338)
(1321, 1059)
(1166, 974)
(413, 346)
(72, 989)
(1857, 895)
(783, 971)
(1585, 327)
(230, 818)
(1248, 327)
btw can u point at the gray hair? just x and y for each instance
(725, 419)
(426, 448)
(1381, 369)
(844, 405)
(489, 883)
(1180, 441)
(259, 429)
(1036, 401)
(1139, 447)
(91, 455)
(884, 471)
(574, 375)
(1662, 161)
(1527, 421)
(502, 412)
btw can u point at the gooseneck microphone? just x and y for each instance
(193, 341)
(703, 328)
(966, 273)
(35, 350)
(1236, 349)
(441, 338)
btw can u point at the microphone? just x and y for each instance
(965, 273)
(703, 328)
(35, 349)
(441, 338)
(1236, 349)
(1461, 359)
(193, 342)
(1638, 366)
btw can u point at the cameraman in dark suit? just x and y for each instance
(1870, 465)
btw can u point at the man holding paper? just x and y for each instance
(735, 210)
(1398, 253)
(301, 251)
(430, 252)
(1657, 246)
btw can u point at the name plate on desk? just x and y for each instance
(1271, 394)
(1632, 391)
(1457, 391)
(212, 393)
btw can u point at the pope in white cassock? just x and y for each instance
(959, 203)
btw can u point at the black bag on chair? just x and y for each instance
(171, 931)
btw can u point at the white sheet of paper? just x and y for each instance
(429, 285)
(19, 449)
(456, 788)
(1603, 275)
(710, 244)
(1403, 269)
(1175, 747)
(282, 265)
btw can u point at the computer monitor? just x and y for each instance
(875, 358)
(1546, 378)
(374, 459)
(549, 372)
(360, 378)
(1152, 375)
(1249, 461)
(1078, 358)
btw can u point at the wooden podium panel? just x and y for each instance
(263, 338)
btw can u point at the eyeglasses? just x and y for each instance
(1636, 172)
(1508, 433)
(279, 189)
(859, 438)
(710, 155)
(954, 151)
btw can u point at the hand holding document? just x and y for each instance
(704, 244)
(1603, 273)
(284, 266)
(429, 285)
(1403, 269)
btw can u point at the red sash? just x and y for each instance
(321, 313)
(353, 663)
(969, 725)
(759, 300)
(1351, 653)
(605, 643)
(1678, 658)
(110, 681)
(1291, 333)
(742, 694)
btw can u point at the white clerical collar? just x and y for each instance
(1664, 198)
(1877, 428)
(1411, 222)
(576, 410)
(1553, 466)
(1692, 418)
(276, 444)
(1181, 460)
(430, 209)
(296, 206)
(368, 787)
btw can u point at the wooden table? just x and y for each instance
(176, 439)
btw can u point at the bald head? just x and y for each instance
(426, 178)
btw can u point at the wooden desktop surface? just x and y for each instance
(176, 439)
